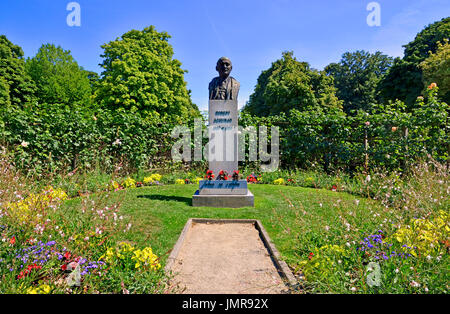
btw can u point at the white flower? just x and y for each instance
(353, 289)
(117, 142)
(24, 144)
(415, 284)
(357, 202)
(429, 258)
(320, 204)
(396, 270)
(327, 228)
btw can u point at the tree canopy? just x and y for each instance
(16, 87)
(291, 84)
(404, 79)
(436, 69)
(141, 74)
(356, 78)
(58, 77)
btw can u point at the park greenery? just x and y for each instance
(91, 201)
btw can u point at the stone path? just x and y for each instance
(225, 258)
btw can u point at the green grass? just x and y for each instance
(158, 215)
(317, 232)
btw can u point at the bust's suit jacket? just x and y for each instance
(232, 88)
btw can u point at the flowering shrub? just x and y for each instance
(323, 261)
(114, 185)
(279, 181)
(23, 210)
(427, 235)
(252, 178)
(129, 183)
(40, 289)
(374, 248)
(153, 179)
(127, 256)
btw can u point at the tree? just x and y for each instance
(141, 74)
(5, 100)
(93, 77)
(436, 69)
(356, 78)
(16, 87)
(290, 84)
(404, 79)
(58, 77)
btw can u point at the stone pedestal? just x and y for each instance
(223, 155)
(225, 201)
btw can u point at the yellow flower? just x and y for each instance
(114, 185)
(279, 181)
(152, 178)
(129, 183)
(179, 181)
(41, 289)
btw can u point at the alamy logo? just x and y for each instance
(74, 17)
(374, 17)
(228, 144)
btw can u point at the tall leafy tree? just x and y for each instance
(356, 78)
(58, 77)
(140, 73)
(436, 69)
(16, 87)
(5, 100)
(291, 84)
(404, 79)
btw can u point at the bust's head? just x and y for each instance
(224, 67)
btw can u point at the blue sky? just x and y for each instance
(251, 33)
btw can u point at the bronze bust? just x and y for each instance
(224, 87)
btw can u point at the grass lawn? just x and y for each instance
(297, 219)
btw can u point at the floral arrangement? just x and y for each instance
(209, 175)
(223, 175)
(235, 175)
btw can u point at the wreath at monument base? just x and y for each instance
(223, 175)
(209, 175)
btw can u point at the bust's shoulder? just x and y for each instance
(214, 81)
(235, 82)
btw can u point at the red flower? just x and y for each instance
(310, 256)
(64, 267)
(67, 255)
(13, 240)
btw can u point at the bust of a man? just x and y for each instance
(224, 87)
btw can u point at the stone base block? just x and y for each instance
(223, 201)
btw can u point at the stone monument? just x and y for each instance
(225, 189)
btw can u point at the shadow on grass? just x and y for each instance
(159, 197)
